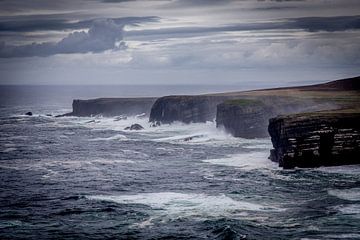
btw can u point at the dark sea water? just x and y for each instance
(75, 178)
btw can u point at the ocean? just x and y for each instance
(88, 178)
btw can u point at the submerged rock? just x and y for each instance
(28, 114)
(316, 139)
(134, 127)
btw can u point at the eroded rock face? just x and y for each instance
(315, 139)
(244, 118)
(185, 109)
(111, 106)
(249, 117)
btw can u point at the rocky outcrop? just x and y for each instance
(185, 109)
(111, 106)
(316, 139)
(244, 118)
(135, 126)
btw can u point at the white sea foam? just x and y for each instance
(115, 137)
(351, 209)
(6, 150)
(105, 123)
(347, 169)
(183, 205)
(195, 133)
(247, 161)
(352, 194)
(341, 236)
(176, 133)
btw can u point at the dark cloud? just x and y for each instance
(102, 35)
(330, 24)
(313, 24)
(29, 23)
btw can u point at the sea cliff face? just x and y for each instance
(315, 139)
(185, 109)
(244, 118)
(249, 118)
(111, 106)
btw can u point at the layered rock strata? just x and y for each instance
(315, 139)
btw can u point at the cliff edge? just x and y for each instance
(187, 109)
(111, 106)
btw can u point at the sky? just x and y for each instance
(255, 43)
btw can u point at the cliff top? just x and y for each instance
(243, 102)
(328, 114)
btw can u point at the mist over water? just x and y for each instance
(73, 178)
(47, 95)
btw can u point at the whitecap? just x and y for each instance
(342, 236)
(352, 194)
(247, 161)
(115, 137)
(175, 205)
(11, 149)
(346, 169)
(351, 209)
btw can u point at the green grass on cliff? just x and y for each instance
(243, 102)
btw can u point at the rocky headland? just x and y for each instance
(111, 107)
(310, 126)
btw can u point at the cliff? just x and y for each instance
(316, 139)
(186, 109)
(239, 119)
(111, 106)
(244, 117)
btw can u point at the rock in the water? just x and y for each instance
(134, 127)
(28, 114)
(316, 139)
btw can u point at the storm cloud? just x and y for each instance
(175, 40)
(102, 35)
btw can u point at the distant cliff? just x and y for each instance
(111, 106)
(186, 109)
(316, 139)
